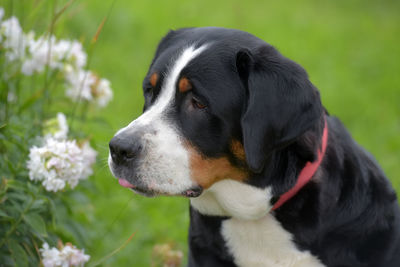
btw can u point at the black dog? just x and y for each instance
(273, 179)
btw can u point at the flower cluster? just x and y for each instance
(34, 55)
(164, 255)
(67, 256)
(12, 39)
(87, 86)
(60, 161)
(33, 69)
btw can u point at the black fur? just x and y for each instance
(347, 216)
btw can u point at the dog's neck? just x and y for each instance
(306, 173)
(254, 200)
(234, 199)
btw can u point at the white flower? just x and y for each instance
(14, 40)
(59, 162)
(68, 256)
(74, 256)
(67, 57)
(50, 257)
(102, 92)
(87, 86)
(72, 53)
(63, 130)
(89, 157)
(38, 55)
(58, 55)
(56, 127)
(11, 97)
(67, 53)
(79, 84)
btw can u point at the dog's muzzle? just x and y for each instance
(138, 165)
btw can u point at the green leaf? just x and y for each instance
(36, 222)
(4, 216)
(11, 167)
(16, 184)
(15, 206)
(21, 196)
(18, 253)
(39, 204)
(34, 188)
(53, 212)
(7, 260)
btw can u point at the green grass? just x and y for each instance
(349, 48)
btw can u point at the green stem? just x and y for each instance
(102, 260)
(47, 68)
(4, 97)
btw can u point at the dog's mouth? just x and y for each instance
(190, 193)
(125, 183)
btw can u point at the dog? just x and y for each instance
(272, 178)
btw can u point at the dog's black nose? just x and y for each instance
(124, 149)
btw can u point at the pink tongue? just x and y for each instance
(125, 183)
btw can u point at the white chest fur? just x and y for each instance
(263, 242)
(253, 236)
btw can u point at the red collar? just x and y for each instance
(306, 173)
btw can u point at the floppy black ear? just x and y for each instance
(281, 103)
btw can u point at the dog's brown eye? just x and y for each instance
(149, 91)
(197, 104)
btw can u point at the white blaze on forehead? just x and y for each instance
(168, 88)
(164, 163)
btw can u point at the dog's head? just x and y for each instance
(218, 102)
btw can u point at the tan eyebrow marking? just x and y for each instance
(184, 85)
(154, 79)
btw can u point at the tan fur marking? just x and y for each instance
(238, 150)
(184, 85)
(205, 172)
(154, 79)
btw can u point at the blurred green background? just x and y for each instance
(349, 48)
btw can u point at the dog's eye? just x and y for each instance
(149, 91)
(197, 103)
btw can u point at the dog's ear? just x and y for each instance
(281, 103)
